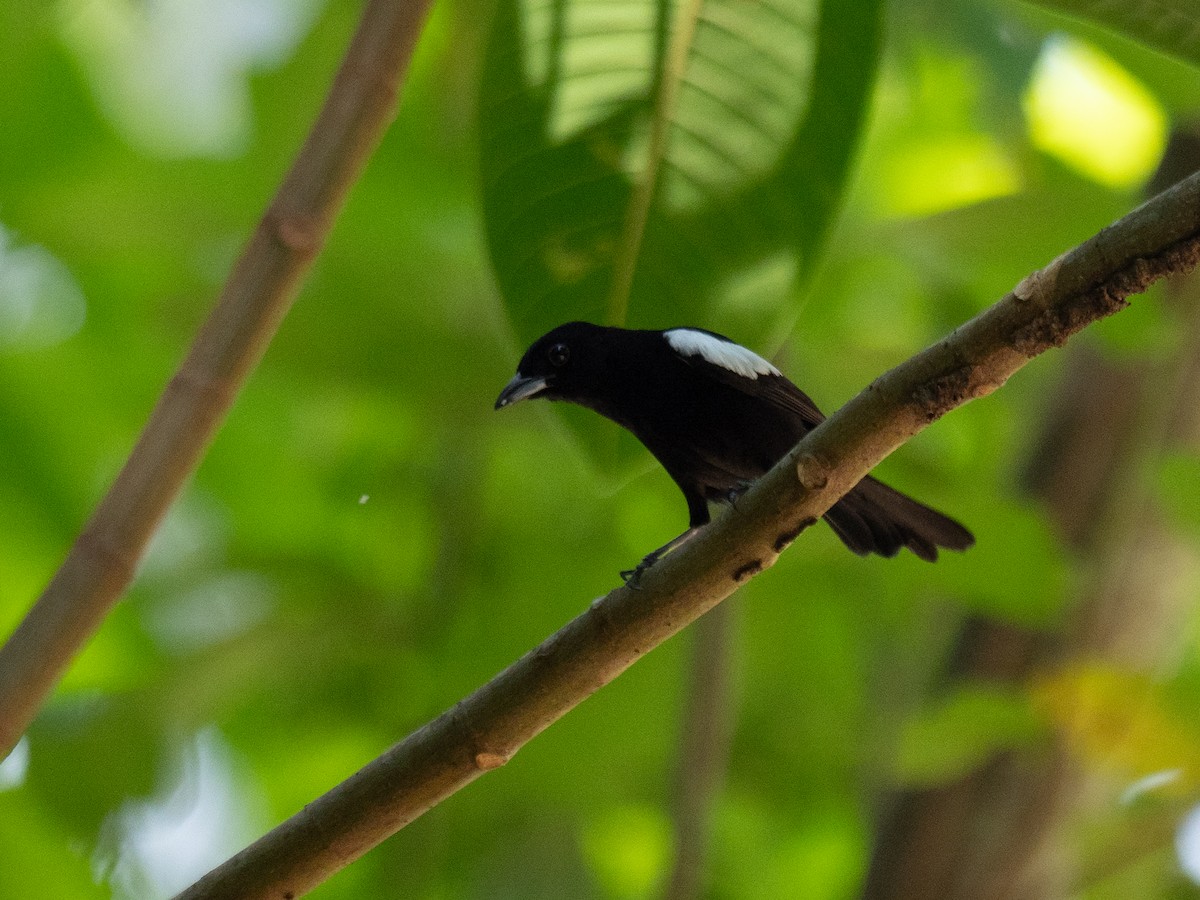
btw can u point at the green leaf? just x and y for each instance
(657, 164)
(1172, 26)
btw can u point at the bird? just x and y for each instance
(716, 416)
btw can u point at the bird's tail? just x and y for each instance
(874, 518)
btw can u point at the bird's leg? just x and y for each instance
(698, 517)
(632, 576)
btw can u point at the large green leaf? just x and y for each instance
(1172, 26)
(659, 163)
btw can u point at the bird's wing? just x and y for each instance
(780, 391)
(744, 370)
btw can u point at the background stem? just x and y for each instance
(260, 290)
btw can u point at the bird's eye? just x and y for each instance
(558, 355)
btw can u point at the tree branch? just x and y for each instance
(483, 731)
(259, 292)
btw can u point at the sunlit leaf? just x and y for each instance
(1121, 720)
(628, 849)
(1084, 108)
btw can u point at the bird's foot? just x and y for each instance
(633, 576)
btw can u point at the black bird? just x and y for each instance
(716, 416)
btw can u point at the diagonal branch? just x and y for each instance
(259, 292)
(484, 730)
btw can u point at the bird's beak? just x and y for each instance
(520, 388)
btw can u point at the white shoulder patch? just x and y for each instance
(719, 352)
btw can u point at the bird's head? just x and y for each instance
(557, 366)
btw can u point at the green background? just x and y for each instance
(367, 541)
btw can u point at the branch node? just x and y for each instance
(484, 758)
(1038, 284)
(485, 761)
(1054, 326)
(300, 233)
(812, 473)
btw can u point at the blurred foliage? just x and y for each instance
(1179, 489)
(1124, 719)
(367, 541)
(963, 731)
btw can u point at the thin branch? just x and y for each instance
(259, 292)
(486, 729)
